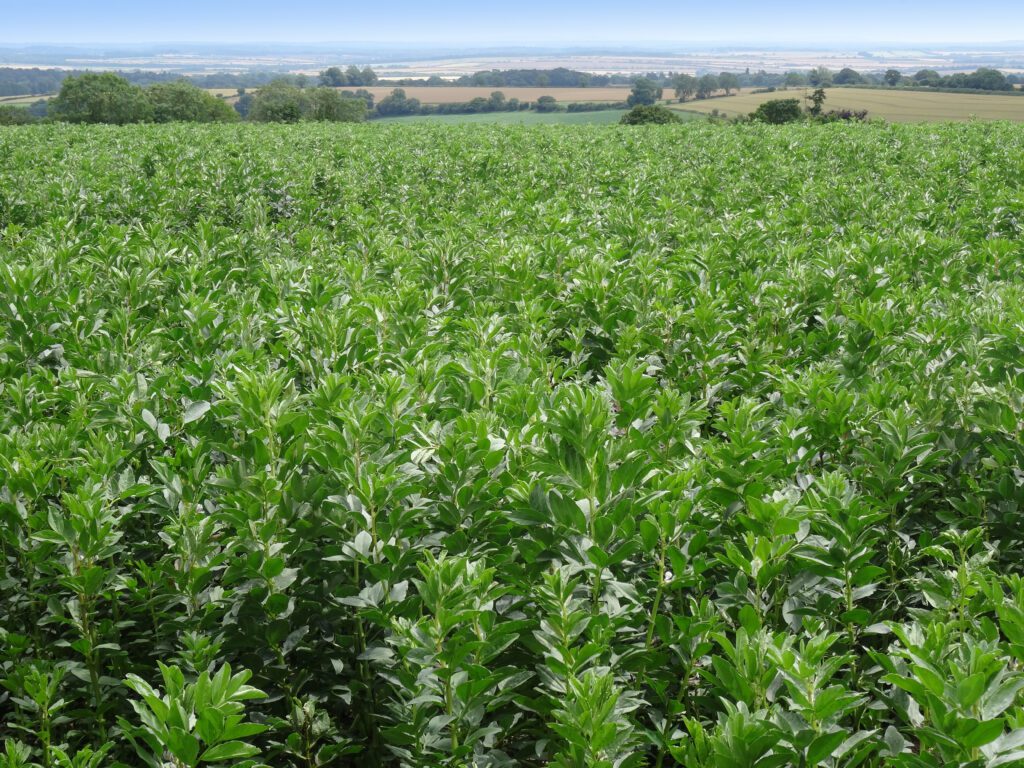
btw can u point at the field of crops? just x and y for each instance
(585, 447)
(894, 105)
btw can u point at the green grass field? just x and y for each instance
(435, 446)
(602, 117)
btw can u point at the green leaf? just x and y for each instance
(229, 750)
(195, 411)
(183, 745)
(823, 746)
(984, 733)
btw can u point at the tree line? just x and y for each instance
(108, 98)
(33, 82)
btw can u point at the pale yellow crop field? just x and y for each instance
(14, 100)
(893, 105)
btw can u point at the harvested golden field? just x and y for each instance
(893, 105)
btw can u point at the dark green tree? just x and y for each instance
(645, 91)
(16, 116)
(546, 104)
(244, 105)
(847, 76)
(685, 86)
(278, 102)
(728, 82)
(333, 77)
(326, 104)
(101, 98)
(817, 100)
(398, 104)
(778, 111)
(893, 77)
(987, 79)
(820, 77)
(707, 85)
(497, 102)
(183, 102)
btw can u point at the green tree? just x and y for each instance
(644, 114)
(988, 79)
(326, 104)
(183, 102)
(728, 82)
(333, 77)
(398, 104)
(497, 102)
(817, 100)
(847, 76)
(707, 85)
(101, 98)
(820, 77)
(16, 116)
(244, 105)
(795, 80)
(778, 111)
(278, 102)
(354, 75)
(645, 91)
(547, 104)
(893, 77)
(928, 77)
(685, 86)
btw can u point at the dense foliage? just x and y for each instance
(108, 98)
(778, 111)
(21, 81)
(389, 445)
(648, 114)
(281, 102)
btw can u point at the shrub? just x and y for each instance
(650, 115)
(10, 115)
(778, 111)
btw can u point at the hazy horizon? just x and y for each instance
(457, 23)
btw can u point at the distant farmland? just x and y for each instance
(898, 106)
(459, 94)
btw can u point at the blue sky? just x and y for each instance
(524, 21)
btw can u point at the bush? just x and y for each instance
(16, 116)
(778, 111)
(595, 106)
(650, 115)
